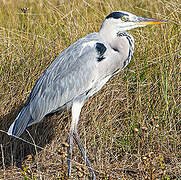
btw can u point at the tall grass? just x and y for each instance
(131, 129)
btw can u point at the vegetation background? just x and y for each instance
(131, 129)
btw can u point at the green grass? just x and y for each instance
(131, 128)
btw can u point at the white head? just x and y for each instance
(121, 21)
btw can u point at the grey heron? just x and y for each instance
(79, 72)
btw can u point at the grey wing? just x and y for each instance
(64, 81)
(73, 57)
(64, 87)
(71, 75)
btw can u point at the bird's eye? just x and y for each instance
(123, 18)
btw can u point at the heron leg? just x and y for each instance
(78, 141)
(69, 153)
(76, 109)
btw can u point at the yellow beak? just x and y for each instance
(147, 21)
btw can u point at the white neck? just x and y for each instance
(108, 34)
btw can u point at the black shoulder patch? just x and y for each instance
(101, 49)
(116, 15)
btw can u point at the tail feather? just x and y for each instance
(21, 122)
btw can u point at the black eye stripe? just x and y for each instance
(116, 15)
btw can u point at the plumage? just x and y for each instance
(100, 50)
(78, 73)
(72, 74)
(117, 15)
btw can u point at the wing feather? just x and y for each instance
(69, 76)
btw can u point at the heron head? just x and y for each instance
(122, 21)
